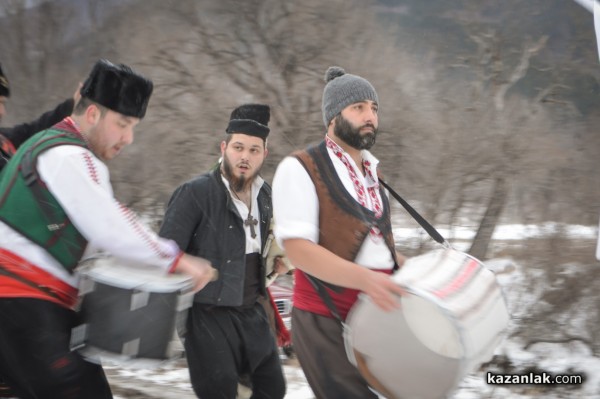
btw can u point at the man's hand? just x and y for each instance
(279, 266)
(382, 290)
(199, 269)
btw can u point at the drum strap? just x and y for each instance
(23, 280)
(319, 286)
(420, 219)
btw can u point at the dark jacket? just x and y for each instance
(203, 220)
(18, 134)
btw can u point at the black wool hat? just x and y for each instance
(250, 119)
(119, 88)
(4, 86)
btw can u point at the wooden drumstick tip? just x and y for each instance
(214, 274)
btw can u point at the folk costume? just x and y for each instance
(56, 208)
(12, 137)
(228, 335)
(322, 196)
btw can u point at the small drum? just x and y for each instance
(450, 322)
(131, 312)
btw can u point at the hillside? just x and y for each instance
(457, 81)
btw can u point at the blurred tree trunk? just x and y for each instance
(499, 76)
(483, 237)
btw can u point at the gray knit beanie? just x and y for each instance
(343, 89)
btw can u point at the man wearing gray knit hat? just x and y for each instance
(343, 89)
(333, 220)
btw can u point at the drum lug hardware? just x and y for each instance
(86, 286)
(139, 299)
(131, 348)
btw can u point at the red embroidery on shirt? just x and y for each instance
(87, 158)
(139, 229)
(358, 187)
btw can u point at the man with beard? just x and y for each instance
(333, 220)
(224, 216)
(56, 208)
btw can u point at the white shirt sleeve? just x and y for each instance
(80, 182)
(296, 212)
(295, 203)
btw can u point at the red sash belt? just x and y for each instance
(30, 281)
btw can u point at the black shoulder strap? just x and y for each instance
(433, 233)
(320, 285)
(33, 181)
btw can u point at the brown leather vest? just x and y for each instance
(343, 222)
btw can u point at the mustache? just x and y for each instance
(367, 125)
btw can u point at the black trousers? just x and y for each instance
(319, 345)
(223, 343)
(35, 358)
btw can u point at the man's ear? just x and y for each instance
(92, 114)
(223, 147)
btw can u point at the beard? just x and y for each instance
(240, 183)
(351, 135)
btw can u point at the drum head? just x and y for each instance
(393, 360)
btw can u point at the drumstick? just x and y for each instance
(214, 274)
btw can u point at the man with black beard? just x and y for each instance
(224, 216)
(333, 220)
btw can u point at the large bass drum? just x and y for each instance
(451, 320)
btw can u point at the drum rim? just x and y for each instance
(463, 359)
(152, 279)
(108, 358)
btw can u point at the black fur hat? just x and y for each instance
(119, 88)
(4, 86)
(250, 119)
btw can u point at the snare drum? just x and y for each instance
(131, 311)
(450, 322)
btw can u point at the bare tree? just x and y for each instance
(33, 55)
(217, 55)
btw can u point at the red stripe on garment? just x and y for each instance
(7, 146)
(12, 288)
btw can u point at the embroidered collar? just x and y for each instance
(361, 192)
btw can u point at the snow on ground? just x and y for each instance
(172, 381)
(568, 358)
